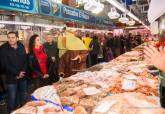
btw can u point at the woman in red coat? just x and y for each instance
(38, 62)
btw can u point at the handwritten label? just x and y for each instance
(128, 84)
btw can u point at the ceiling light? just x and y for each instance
(2, 25)
(117, 5)
(113, 14)
(25, 27)
(131, 23)
(94, 7)
(98, 9)
(123, 19)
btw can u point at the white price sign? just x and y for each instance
(128, 84)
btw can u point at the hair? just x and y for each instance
(32, 42)
(95, 38)
(12, 32)
(64, 29)
(87, 35)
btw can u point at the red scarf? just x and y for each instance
(41, 57)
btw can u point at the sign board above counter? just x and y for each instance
(49, 8)
(52, 9)
(19, 5)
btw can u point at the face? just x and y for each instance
(12, 39)
(49, 39)
(37, 42)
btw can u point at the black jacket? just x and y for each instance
(33, 64)
(110, 43)
(95, 47)
(13, 61)
(52, 51)
(138, 39)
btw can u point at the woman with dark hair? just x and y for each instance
(38, 62)
(95, 48)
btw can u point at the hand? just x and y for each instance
(53, 59)
(77, 58)
(157, 58)
(61, 74)
(21, 75)
(45, 76)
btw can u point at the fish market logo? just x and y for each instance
(25, 2)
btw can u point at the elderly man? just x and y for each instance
(50, 47)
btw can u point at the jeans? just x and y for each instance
(162, 96)
(94, 59)
(17, 94)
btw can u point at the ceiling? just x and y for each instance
(139, 8)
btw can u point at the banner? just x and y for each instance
(49, 8)
(75, 14)
(19, 5)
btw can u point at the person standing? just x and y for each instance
(51, 50)
(95, 47)
(109, 48)
(38, 64)
(87, 40)
(123, 44)
(128, 42)
(73, 56)
(14, 64)
(138, 39)
(117, 46)
(2, 102)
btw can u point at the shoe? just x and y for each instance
(2, 102)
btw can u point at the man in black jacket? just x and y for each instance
(13, 57)
(128, 42)
(50, 47)
(2, 102)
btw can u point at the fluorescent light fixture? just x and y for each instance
(91, 30)
(48, 26)
(17, 23)
(133, 16)
(25, 27)
(117, 5)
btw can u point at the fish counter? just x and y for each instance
(128, 84)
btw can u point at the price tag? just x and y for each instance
(128, 84)
(91, 91)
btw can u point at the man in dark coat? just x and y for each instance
(51, 50)
(14, 64)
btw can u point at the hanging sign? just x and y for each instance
(49, 8)
(19, 5)
(75, 14)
